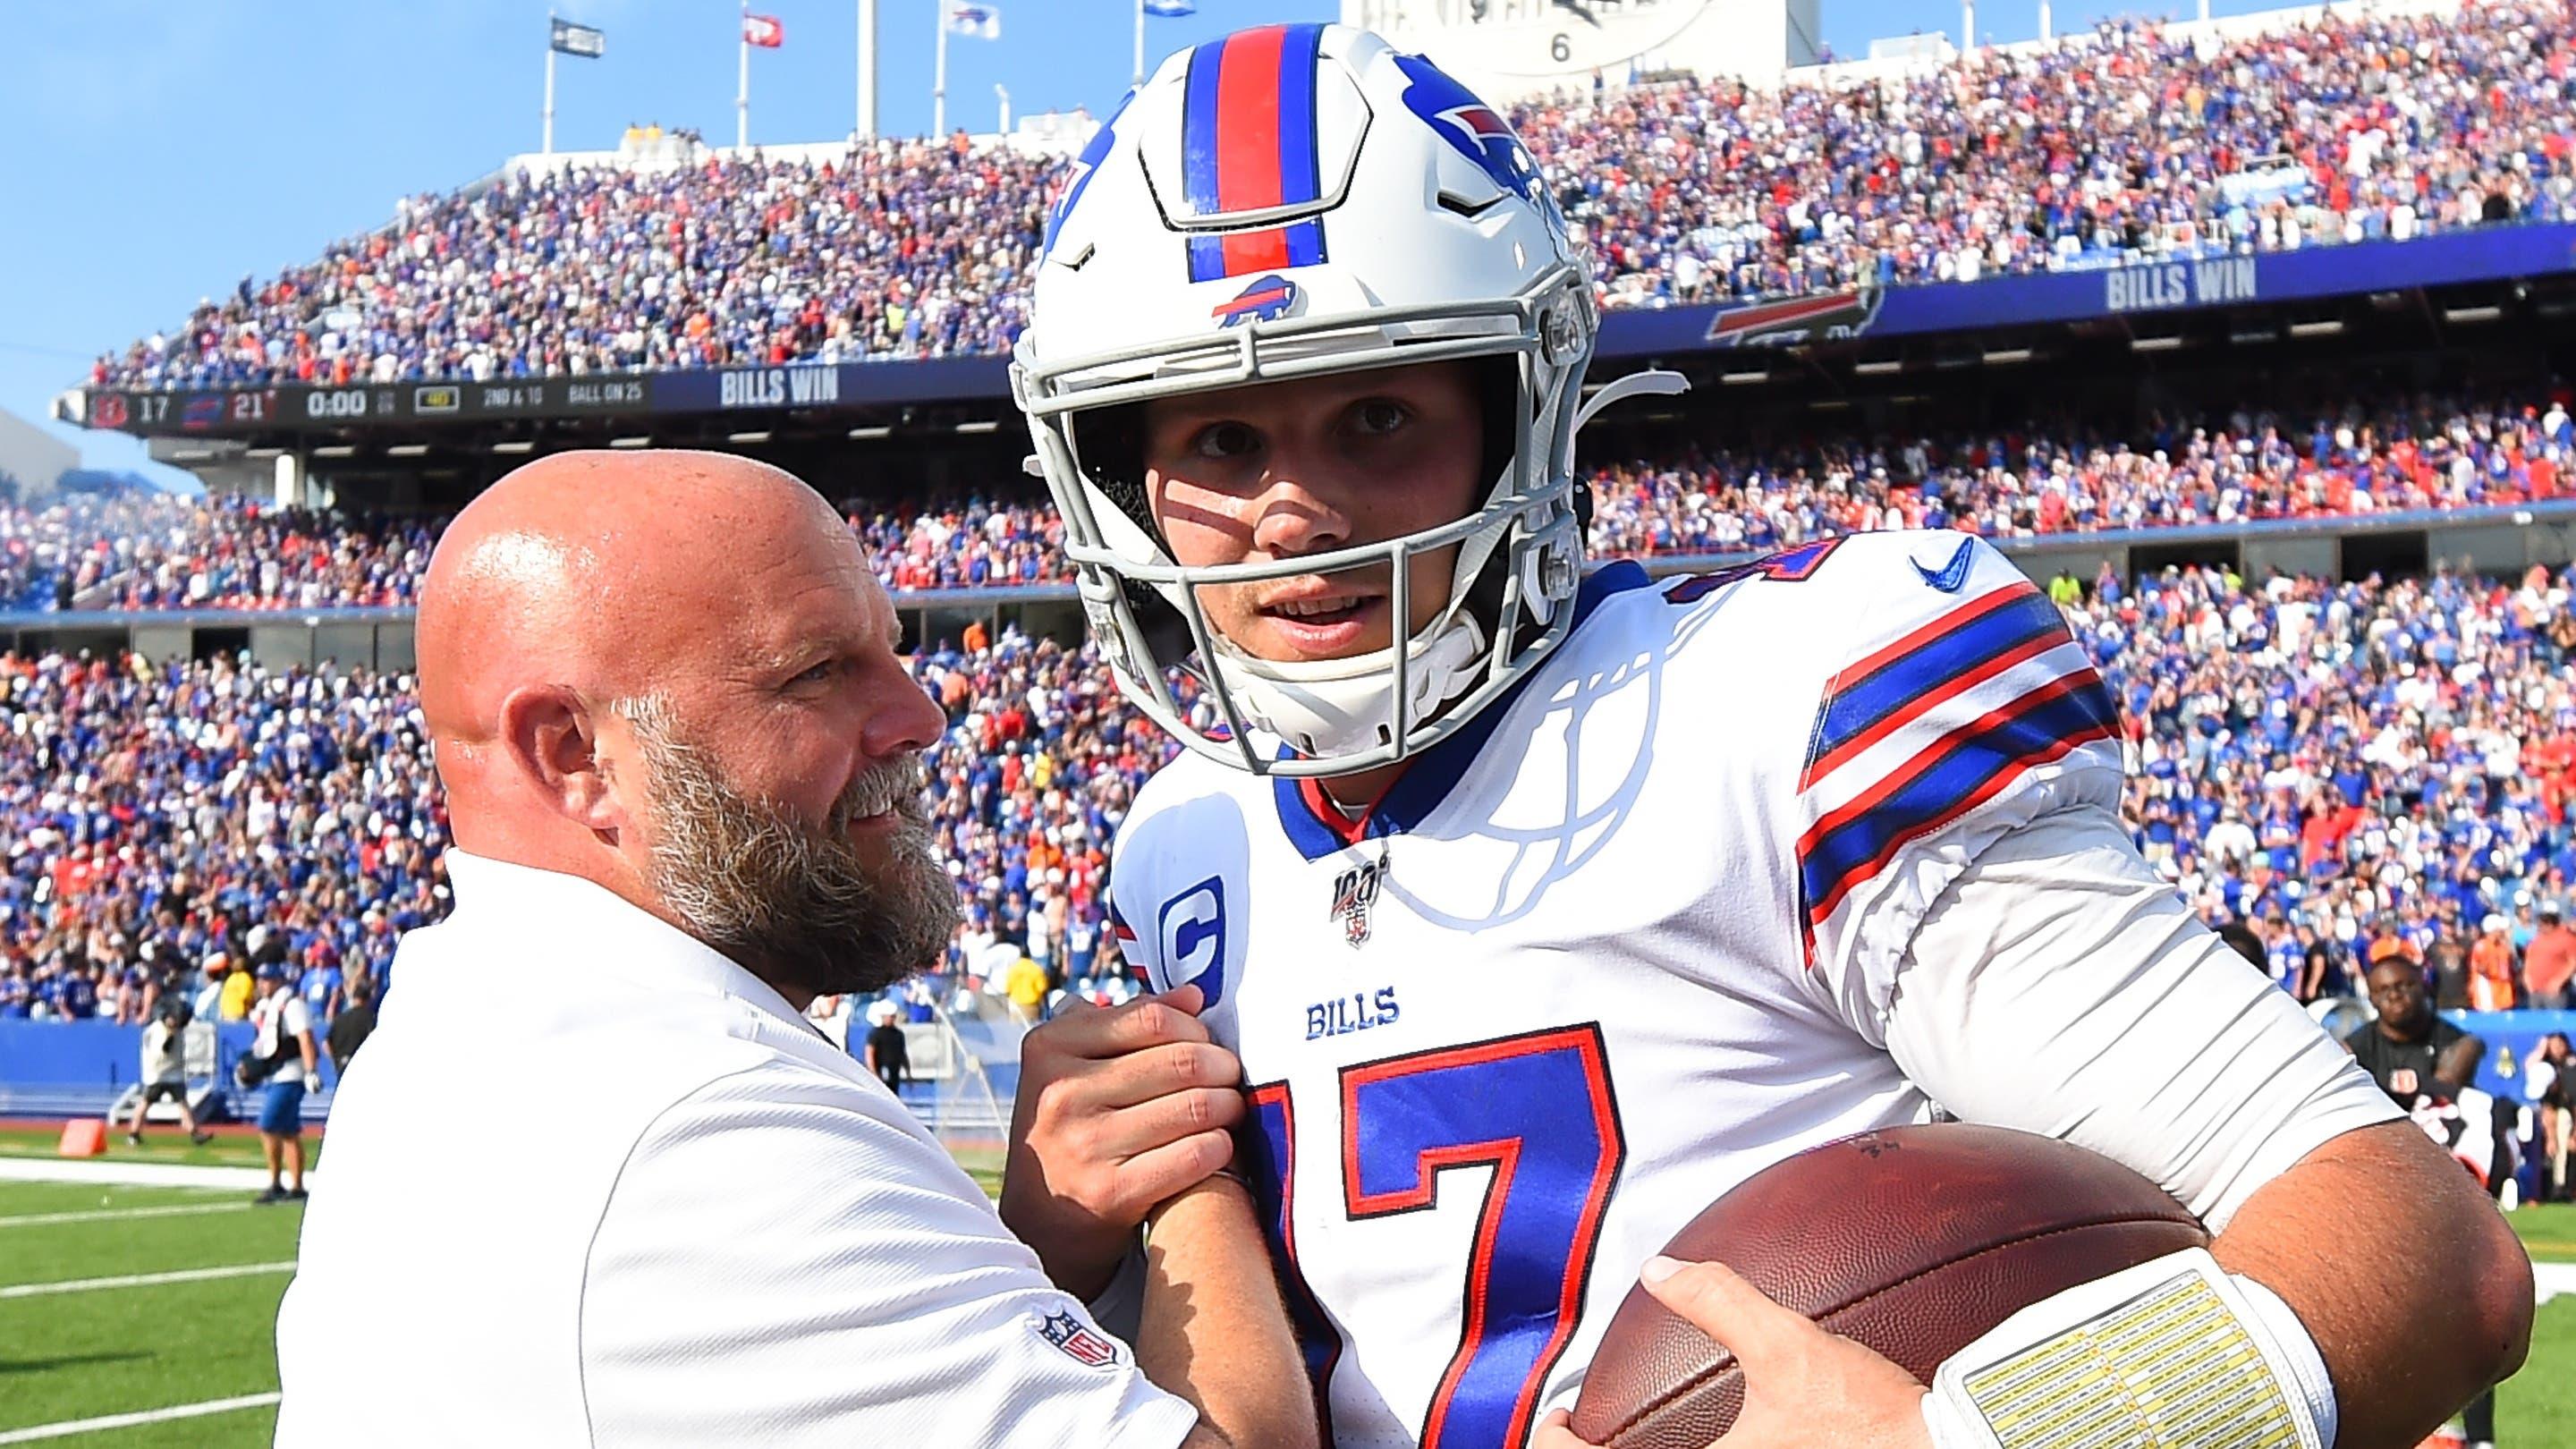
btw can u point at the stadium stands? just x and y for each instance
(2120, 142)
(156, 551)
(163, 553)
(2338, 764)
(2067, 476)
(909, 249)
(161, 818)
(2347, 764)
(2124, 142)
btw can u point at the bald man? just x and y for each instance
(683, 772)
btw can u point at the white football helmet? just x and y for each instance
(1289, 201)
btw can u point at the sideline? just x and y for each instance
(135, 1174)
(127, 1421)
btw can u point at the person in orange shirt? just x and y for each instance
(2388, 944)
(2491, 966)
(2549, 961)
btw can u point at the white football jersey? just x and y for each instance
(1627, 938)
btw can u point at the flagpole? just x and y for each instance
(549, 147)
(939, 80)
(1140, 44)
(742, 87)
(867, 127)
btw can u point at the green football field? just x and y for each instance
(126, 1304)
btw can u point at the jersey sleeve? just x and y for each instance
(1961, 710)
(1177, 880)
(2060, 986)
(779, 1266)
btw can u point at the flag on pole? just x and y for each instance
(1171, 9)
(977, 22)
(764, 31)
(580, 40)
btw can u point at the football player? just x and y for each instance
(1535, 909)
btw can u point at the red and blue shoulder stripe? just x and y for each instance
(1921, 732)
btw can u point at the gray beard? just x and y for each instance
(802, 911)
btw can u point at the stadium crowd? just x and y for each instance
(2351, 770)
(2358, 770)
(2129, 141)
(170, 827)
(157, 552)
(902, 249)
(2067, 476)
(141, 550)
(2125, 142)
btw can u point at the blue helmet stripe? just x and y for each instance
(1198, 130)
(1298, 146)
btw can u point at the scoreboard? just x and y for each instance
(1505, 49)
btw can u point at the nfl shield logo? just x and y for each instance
(1079, 1343)
(1354, 892)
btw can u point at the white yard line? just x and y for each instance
(126, 1421)
(2548, 1280)
(145, 1280)
(134, 1174)
(105, 1215)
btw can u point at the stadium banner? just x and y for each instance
(2226, 280)
(217, 413)
(798, 385)
(2066, 296)
(301, 406)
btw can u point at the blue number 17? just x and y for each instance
(1537, 1110)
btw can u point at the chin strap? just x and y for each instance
(1652, 380)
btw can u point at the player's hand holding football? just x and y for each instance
(1118, 1110)
(1802, 1385)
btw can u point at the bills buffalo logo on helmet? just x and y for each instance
(1795, 319)
(1472, 128)
(1266, 300)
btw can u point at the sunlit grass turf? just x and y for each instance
(982, 1163)
(2538, 1406)
(2548, 1232)
(118, 1350)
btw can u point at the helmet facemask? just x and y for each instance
(1519, 550)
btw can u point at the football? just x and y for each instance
(1912, 1240)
